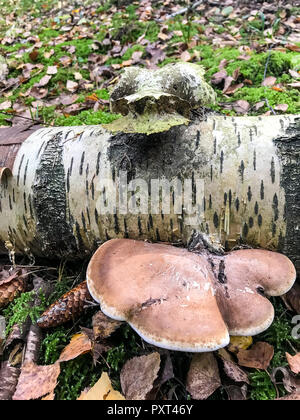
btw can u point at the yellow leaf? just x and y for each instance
(239, 343)
(102, 390)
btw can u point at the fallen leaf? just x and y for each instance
(102, 390)
(294, 85)
(234, 372)
(138, 375)
(294, 74)
(241, 106)
(258, 357)
(281, 107)
(259, 105)
(43, 82)
(38, 93)
(294, 362)
(52, 70)
(71, 86)
(185, 56)
(289, 381)
(295, 396)
(103, 326)
(34, 55)
(36, 381)
(238, 343)
(292, 47)
(79, 344)
(293, 297)
(233, 88)
(227, 82)
(278, 88)
(5, 105)
(218, 77)
(236, 393)
(203, 377)
(269, 81)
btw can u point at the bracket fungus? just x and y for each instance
(152, 101)
(185, 301)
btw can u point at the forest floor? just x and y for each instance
(58, 63)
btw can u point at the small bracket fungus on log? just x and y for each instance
(185, 301)
(153, 101)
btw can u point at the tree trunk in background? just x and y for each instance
(50, 206)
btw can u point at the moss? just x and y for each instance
(86, 118)
(75, 376)
(262, 387)
(47, 34)
(20, 309)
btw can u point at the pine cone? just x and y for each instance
(66, 308)
(11, 286)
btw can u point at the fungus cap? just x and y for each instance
(185, 301)
(165, 293)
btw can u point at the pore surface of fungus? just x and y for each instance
(152, 101)
(184, 301)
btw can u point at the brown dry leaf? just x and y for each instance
(71, 86)
(218, 77)
(294, 362)
(259, 105)
(292, 47)
(295, 396)
(232, 89)
(67, 99)
(227, 82)
(103, 326)
(34, 55)
(236, 393)
(293, 297)
(241, 106)
(203, 377)
(234, 372)
(269, 81)
(294, 74)
(185, 56)
(294, 85)
(65, 60)
(43, 82)
(79, 344)
(258, 357)
(52, 70)
(36, 381)
(162, 36)
(49, 54)
(281, 107)
(289, 381)
(138, 375)
(102, 390)
(5, 105)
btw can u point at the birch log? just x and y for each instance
(50, 204)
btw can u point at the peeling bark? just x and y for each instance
(250, 168)
(9, 376)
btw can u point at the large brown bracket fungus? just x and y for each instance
(187, 301)
(153, 101)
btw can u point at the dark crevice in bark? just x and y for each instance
(288, 147)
